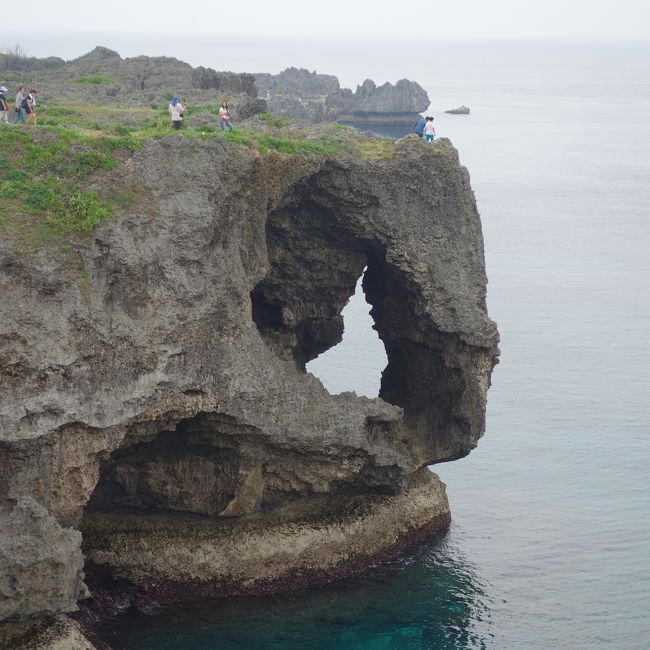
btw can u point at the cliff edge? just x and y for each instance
(156, 419)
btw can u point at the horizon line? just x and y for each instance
(338, 37)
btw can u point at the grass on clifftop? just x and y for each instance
(94, 79)
(44, 175)
(47, 172)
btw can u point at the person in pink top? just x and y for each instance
(224, 116)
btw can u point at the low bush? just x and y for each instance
(276, 121)
(96, 80)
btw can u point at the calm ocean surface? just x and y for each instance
(550, 542)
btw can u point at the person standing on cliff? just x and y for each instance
(20, 111)
(418, 127)
(29, 104)
(429, 130)
(224, 116)
(176, 110)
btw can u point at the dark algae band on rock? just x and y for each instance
(156, 420)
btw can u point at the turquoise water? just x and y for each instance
(549, 546)
(430, 599)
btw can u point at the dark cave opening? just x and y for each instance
(193, 466)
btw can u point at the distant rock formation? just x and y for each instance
(137, 73)
(29, 63)
(306, 95)
(136, 81)
(461, 110)
(207, 79)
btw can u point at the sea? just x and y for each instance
(549, 547)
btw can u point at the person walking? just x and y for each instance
(176, 110)
(418, 127)
(29, 104)
(20, 111)
(224, 116)
(429, 130)
(4, 107)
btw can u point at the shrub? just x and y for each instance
(276, 121)
(94, 79)
(76, 211)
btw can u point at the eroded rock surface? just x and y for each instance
(169, 378)
(306, 95)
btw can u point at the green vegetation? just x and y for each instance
(374, 148)
(277, 121)
(94, 79)
(291, 145)
(43, 173)
(48, 174)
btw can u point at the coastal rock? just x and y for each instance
(101, 76)
(461, 110)
(306, 95)
(50, 633)
(40, 562)
(168, 381)
(251, 554)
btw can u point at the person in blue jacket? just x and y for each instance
(418, 127)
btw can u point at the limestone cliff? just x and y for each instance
(305, 95)
(168, 384)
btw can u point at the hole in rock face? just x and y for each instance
(318, 247)
(315, 266)
(356, 363)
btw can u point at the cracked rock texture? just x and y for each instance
(170, 379)
(306, 95)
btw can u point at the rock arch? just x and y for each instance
(188, 355)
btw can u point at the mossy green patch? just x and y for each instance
(276, 121)
(44, 196)
(292, 144)
(95, 79)
(374, 148)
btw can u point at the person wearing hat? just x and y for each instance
(176, 110)
(4, 107)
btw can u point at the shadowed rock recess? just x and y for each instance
(158, 429)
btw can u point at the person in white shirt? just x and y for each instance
(176, 110)
(20, 111)
(429, 130)
(4, 107)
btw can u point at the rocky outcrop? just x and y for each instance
(23, 64)
(50, 633)
(226, 82)
(461, 110)
(132, 82)
(168, 381)
(250, 554)
(306, 95)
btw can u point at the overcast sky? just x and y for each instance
(583, 19)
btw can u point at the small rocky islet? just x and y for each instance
(160, 439)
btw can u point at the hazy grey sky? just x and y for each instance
(615, 19)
